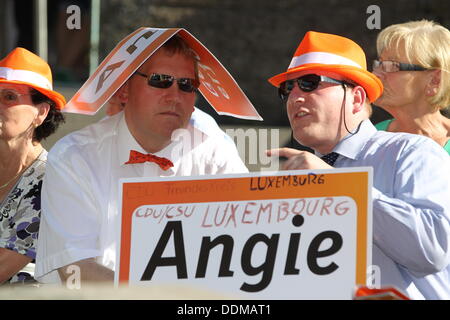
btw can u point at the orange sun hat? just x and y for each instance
(21, 66)
(332, 53)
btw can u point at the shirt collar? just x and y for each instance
(352, 144)
(126, 143)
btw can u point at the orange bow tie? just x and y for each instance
(137, 157)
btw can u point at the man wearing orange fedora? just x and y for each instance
(327, 91)
(30, 111)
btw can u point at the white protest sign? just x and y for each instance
(286, 235)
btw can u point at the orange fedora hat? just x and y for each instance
(332, 53)
(21, 66)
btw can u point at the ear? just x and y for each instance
(43, 109)
(122, 94)
(433, 84)
(359, 99)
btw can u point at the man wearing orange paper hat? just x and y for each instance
(327, 91)
(152, 137)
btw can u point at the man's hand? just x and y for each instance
(298, 160)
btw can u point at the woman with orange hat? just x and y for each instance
(30, 111)
(414, 66)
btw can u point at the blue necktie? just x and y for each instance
(330, 158)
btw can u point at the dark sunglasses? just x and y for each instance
(306, 83)
(394, 66)
(164, 81)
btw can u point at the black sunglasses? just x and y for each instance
(394, 66)
(164, 81)
(306, 83)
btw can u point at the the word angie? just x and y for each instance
(173, 234)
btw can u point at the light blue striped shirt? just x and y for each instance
(411, 207)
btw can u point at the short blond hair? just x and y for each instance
(427, 44)
(177, 44)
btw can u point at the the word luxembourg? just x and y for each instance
(251, 144)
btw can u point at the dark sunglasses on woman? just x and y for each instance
(164, 81)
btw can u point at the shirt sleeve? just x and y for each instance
(412, 227)
(70, 219)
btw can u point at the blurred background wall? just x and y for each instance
(253, 39)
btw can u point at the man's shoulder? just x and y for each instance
(404, 142)
(205, 123)
(87, 138)
(213, 148)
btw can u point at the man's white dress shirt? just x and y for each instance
(80, 214)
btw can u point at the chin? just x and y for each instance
(311, 139)
(303, 140)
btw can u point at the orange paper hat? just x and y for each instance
(332, 53)
(217, 85)
(21, 66)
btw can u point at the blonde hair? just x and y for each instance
(427, 44)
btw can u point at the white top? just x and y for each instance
(80, 217)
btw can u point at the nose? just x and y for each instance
(296, 95)
(296, 99)
(173, 92)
